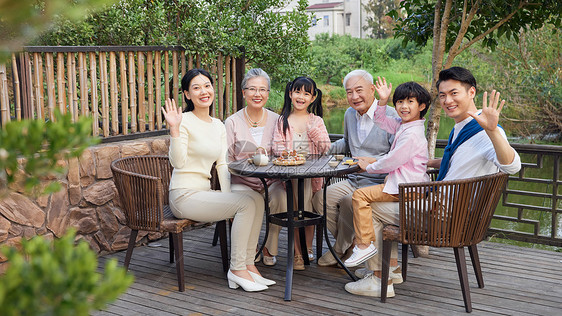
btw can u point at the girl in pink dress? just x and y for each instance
(301, 128)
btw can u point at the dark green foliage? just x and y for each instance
(58, 278)
(527, 73)
(268, 39)
(417, 26)
(333, 57)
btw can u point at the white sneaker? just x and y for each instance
(360, 255)
(370, 285)
(395, 274)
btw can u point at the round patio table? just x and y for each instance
(316, 166)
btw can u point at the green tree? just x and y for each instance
(529, 73)
(378, 21)
(455, 26)
(268, 38)
(22, 20)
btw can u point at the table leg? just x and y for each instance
(291, 241)
(351, 275)
(300, 209)
(266, 198)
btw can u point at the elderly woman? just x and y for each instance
(198, 140)
(247, 130)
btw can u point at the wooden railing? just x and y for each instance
(121, 88)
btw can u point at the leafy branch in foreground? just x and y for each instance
(58, 278)
(31, 150)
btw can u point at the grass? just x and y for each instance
(397, 78)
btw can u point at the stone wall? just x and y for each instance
(89, 201)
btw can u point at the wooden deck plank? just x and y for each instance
(517, 281)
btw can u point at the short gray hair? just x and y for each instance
(358, 73)
(254, 73)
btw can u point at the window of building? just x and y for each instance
(348, 19)
(314, 21)
(326, 20)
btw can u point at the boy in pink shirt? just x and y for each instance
(406, 161)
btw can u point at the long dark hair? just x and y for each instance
(308, 85)
(186, 80)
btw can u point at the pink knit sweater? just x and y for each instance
(318, 141)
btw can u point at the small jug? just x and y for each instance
(260, 159)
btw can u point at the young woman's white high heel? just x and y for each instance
(235, 281)
(261, 280)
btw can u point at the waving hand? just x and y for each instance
(173, 116)
(490, 115)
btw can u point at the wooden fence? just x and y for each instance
(121, 88)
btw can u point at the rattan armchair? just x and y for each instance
(453, 214)
(142, 183)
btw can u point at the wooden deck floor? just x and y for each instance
(518, 281)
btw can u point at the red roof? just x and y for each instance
(324, 5)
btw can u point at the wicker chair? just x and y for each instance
(142, 183)
(452, 214)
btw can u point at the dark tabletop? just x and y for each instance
(315, 166)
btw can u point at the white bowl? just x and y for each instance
(338, 157)
(333, 163)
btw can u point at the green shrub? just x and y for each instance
(332, 57)
(58, 278)
(35, 147)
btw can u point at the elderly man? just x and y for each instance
(361, 138)
(477, 146)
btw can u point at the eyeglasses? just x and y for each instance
(254, 90)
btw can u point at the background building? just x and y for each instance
(336, 17)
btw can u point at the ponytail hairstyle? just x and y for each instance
(308, 85)
(186, 81)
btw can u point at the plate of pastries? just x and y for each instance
(289, 158)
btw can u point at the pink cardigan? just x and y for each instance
(318, 141)
(406, 162)
(241, 144)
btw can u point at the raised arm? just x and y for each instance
(488, 120)
(389, 124)
(383, 89)
(178, 137)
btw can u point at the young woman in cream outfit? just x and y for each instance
(198, 140)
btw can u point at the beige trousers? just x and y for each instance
(246, 207)
(339, 213)
(362, 211)
(277, 204)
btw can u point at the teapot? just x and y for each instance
(260, 159)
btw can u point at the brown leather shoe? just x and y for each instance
(298, 263)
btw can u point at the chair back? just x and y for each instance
(453, 213)
(143, 184)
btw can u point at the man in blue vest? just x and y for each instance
(477, 146)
